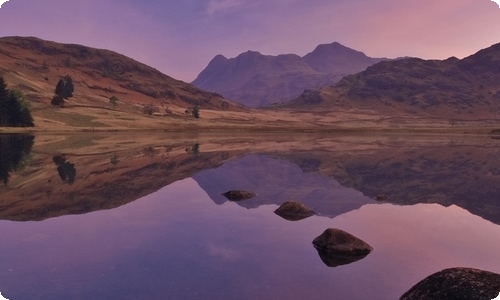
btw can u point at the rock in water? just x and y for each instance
(337, 247)
(456, 284)
(339, 242)
(294, 211)
(236, 195)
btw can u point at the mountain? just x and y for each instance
(254, 79)
(454, 88)
(35, 66)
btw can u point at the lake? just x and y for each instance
(127, 216)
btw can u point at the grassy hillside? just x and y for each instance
(34, 66)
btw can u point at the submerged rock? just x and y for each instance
(237, 195)
(294, 211)
(457, 284)
(339, 242)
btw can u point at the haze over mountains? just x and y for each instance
(254, 79)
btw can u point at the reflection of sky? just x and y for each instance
(177, 244)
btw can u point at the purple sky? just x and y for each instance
(180, 37)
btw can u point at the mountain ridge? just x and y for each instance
(454, 88)
(254, 79)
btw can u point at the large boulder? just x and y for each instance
(456, 284)
(294, 211)
(238, 195)
(339, 242)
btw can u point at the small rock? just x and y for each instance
(294, 211)
(237, 195)
(456, 284)
(339, 242)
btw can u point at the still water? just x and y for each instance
(119, 218)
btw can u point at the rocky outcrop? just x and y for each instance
(456, 284)
(238, 195)
(294, 211)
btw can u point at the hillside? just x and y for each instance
(34, 66)
(254, 79)
(455, 89)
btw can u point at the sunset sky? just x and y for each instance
(180, 37)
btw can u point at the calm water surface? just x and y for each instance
(182, 240)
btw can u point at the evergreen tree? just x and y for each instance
(3, 103)
(69, 87)
(14, 109)
(60, 89)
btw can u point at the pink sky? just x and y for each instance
(180, 37)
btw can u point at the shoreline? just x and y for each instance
(473, 130)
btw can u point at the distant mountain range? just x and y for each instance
(255, 80)
(464, 89)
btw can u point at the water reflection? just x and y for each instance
(14, 154)
(159, 227)
(66, 170)
(177, 244)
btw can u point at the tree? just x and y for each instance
(196, 112)
(64, 90)
(14, 109)
(113, 100)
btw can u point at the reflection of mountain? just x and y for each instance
(276, 180)
(14, 151)
(103, 181)
(465, 175)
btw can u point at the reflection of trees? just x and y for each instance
(14, 154)
(66, 170)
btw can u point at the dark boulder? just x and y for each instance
(457, 284)
(294, 211)
(337, 247)
(339, 242)
(237, 195)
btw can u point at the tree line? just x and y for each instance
(14, 111)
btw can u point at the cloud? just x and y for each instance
(220, 6)
(2, 2)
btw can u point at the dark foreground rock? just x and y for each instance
(294, 211)
(339, 242)
(456, 284)
(237, 195)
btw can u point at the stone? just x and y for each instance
(294, 211)
(238, 195)
(339, 242)
(456, 284)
